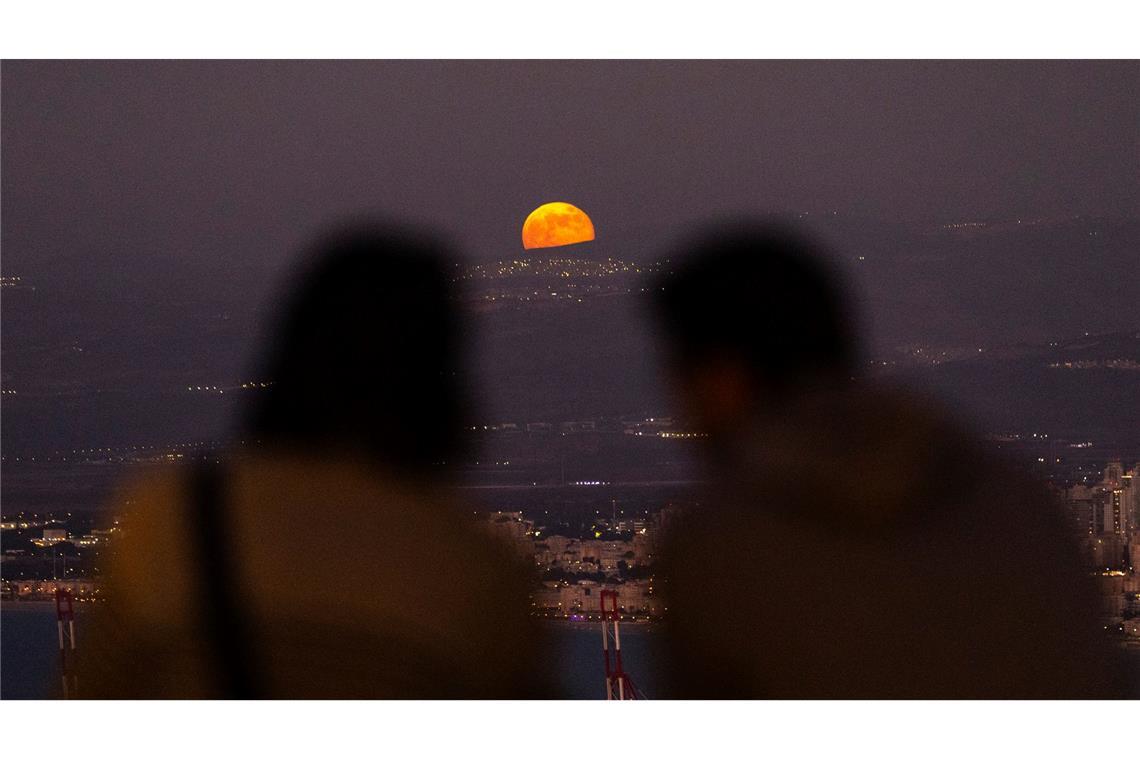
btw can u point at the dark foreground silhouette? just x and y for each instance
(855, 543)
(323, 558)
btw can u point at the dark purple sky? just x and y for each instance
(155, 205)
(154, 170)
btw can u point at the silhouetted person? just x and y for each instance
(325, 558)
(855, 543)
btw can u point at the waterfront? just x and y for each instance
(29, 657)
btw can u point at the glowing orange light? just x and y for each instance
(555, 224)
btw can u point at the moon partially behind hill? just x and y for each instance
(556, 224)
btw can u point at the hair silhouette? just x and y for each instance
(367, 355)
(759, 293)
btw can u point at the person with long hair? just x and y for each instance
(326, 556)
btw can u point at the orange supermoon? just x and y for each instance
(554, 224)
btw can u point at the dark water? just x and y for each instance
(29, 650)
(29, 654)
(578, 663)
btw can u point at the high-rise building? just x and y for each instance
(1106, 516)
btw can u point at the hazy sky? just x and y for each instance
(141, 170)
(156, 205)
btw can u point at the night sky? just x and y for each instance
(155, 206)
(192, 169)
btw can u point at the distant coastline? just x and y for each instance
(642, 625)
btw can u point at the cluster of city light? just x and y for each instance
(999, 225)
(1125, 364)
(82, 590)
(573, 292)
(21, 524)
(149, 453)
(252, 385)
(555, 267)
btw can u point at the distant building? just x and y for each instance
(512, 528)
(547, 597)
(582, 426)
(1112, 595)
(607, 554)
(1107, 517)
(1107, 552)
(81, 588)
(54, 535)
(584, 597)
(644, 548)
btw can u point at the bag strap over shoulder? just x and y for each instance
(224, 622)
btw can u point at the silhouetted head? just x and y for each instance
(752, 315)
(367, 353)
